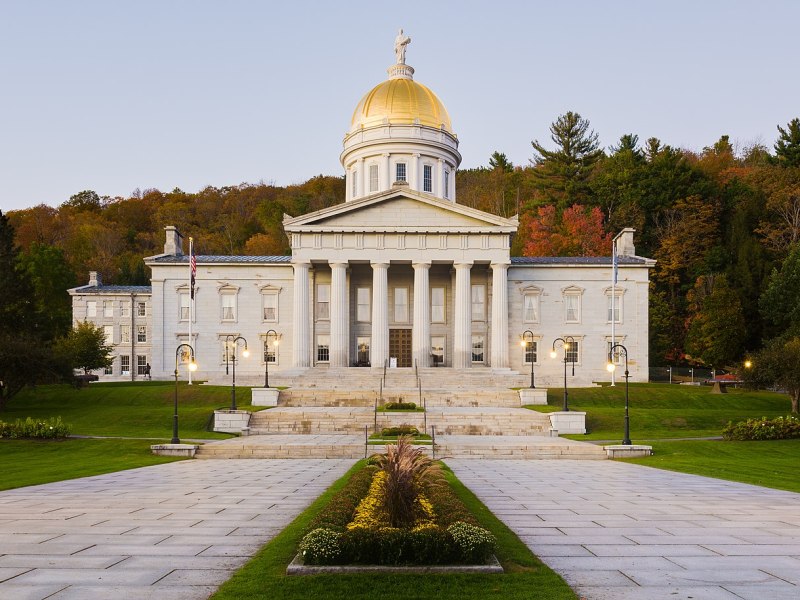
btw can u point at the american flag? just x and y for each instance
(193, 263)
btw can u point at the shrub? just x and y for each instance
(407, 469)
(52, 429)
(339, 511)
(321, 546)
(475, 543)
(400, 406)
(780, 428)
(399, 430)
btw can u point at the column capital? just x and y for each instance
(379, 264)
(463, 264)
(338, 263)
(303, 262)
(421, 264)
(500, 265)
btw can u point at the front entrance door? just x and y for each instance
(400, 346)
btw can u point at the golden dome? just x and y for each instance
(401, 101)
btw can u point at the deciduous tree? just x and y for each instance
(577, 232)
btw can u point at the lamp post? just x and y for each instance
(565, 343)
(235, 341)
(527, 344)
(277, 340)
(626, 441)
(691, 372)
(670, 374)
(192, 367)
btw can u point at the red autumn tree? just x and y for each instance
(577, 232)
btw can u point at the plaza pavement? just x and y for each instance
(622, 531)
(173, 532)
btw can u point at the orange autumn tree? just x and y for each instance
(578, 231)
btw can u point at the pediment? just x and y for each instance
(399, 210)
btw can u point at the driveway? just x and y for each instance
(172, 531)
(621, 531)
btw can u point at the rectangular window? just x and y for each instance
(228, 307)
(108, 308)
(401, 305)
(141, 365)
(477, 348)
(125, 334)
(362, 351)
(447, 184)
(400, 172)
(373, 178)
(270, 351)
(108, 330)
(141, 333)
(437, 350)
(186, 307)
(530, 308)
(270, 307)
(573, 352)
(91, 308)
(618, 357)
(109, 370)
(142, 309)
(437, 305)
(323, 348)
(363, 305)
(478, 302)
(531, 351)
(427, 178)
(572, 304)
(355, 184)
(125, 364)
(124, 309)
(614, 312)
(323, 301)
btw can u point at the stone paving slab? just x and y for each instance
(173, 532)
(618, 531)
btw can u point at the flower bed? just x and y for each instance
(400, 406)
(780, 428)
(52, 429)
(361, 526)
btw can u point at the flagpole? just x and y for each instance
(613, 300)
(191, 297)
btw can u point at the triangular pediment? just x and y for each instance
(401, 210)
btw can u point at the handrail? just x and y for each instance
(385, 362)
(416, 372)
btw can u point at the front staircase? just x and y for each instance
(326, 413)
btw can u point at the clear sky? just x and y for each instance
(113, 96)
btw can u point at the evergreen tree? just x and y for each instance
(563, 172)
(717, 328)
(787, 147)
(498, 160)
(780, 302)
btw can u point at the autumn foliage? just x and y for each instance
(578, 231)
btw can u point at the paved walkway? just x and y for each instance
(172, 531)
(620, 531)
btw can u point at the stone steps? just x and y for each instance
(497, 397)
(307, 420)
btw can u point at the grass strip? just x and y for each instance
(33, 462)
(525, 578)
(770, 464)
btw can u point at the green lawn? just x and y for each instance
(659, 410)
(29, 462)
(769, 464)
(141, 409)
(525, 578)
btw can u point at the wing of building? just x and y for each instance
(399, 275)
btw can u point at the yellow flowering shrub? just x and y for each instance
(370, 513)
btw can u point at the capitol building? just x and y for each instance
(398, 275)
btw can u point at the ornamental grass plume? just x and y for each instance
(408, 470)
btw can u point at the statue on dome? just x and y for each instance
(400, 43)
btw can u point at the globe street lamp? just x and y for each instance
(626, 441)
(192, 367)
(527, 344)
(234, 340)
(567, 342)
(276, 339)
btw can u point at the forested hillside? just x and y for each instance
(723, 224)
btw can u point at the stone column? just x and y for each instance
(421, 332)
(462, 322)
(415, 182)
(379, 350)
(362, 190)
(301, 330)
(499, 356)
(387, 176)
(438, 184)
(340, 317)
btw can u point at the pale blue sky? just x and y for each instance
(113, 96)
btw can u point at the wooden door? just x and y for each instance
(400, 346)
